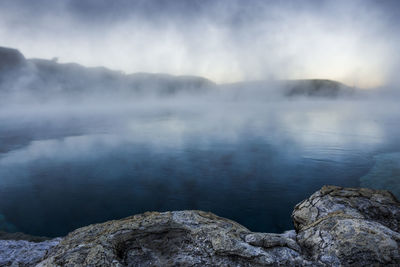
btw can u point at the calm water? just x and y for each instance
(63, 167)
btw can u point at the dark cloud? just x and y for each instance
(239, 10)
(230, 12)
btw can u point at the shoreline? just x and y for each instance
(334, 226)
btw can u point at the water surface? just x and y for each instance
(65, 166)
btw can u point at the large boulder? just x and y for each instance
(350, 227)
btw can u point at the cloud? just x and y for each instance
(350, 41)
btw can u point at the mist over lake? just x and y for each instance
(63, 166)
(241, 108)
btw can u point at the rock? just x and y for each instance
(334, 227)
(347, 226)
(179, 238)
(24, 253)
(267, 240)
(21, 236)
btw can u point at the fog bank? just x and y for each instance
(354, 42)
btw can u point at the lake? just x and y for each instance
(66, 166)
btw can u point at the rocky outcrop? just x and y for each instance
(350, 227)
(334, 227)
(180, 238)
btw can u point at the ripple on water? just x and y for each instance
(385, 174)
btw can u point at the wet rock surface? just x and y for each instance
(334, 227)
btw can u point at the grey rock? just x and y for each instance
(22, 236)
(180, 238)
(268, 240)
(24, 253)
(349, 227)
(334, 227)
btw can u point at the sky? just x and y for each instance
(352, 41)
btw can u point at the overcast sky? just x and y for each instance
(353, 41)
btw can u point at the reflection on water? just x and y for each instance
(251, 162)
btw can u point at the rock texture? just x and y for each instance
(349, 227)
(180, 238)
(334, 227)
(22, 236)
(24, 253)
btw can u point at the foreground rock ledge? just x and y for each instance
(334, 227)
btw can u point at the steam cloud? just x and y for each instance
(354, 42)
(76, 135)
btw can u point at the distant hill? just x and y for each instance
(74, 78)
(317, 87)
(10, 59)
(291, 88)
(47, 78)
(12, 64)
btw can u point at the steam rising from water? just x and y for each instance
(351, 41)
(67, 166)
(80, 146)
